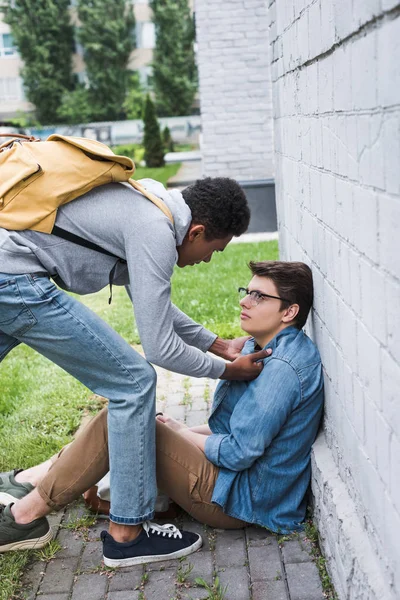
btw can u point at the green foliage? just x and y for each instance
(153, 146)
(215, 591)
(106, 33)
(44, 37)
(167, 140)
(162, 174)
(75, 106)
(174, 67)
(135, 98)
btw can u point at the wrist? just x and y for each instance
(220, 348)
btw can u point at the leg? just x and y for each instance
(186, 476)
(72, 336)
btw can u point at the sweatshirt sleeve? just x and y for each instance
(257, 417)
(151, 260)
(191, 332)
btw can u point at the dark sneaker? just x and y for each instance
(11, 490)
(14, 536)
(154, 544)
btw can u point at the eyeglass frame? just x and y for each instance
(248, 293)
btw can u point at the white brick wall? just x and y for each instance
(235, 88)
(336, 95)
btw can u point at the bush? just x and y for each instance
(167, 140)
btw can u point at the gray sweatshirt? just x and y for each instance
(124, 222)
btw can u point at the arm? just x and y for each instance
(151, 260)
(257, 418)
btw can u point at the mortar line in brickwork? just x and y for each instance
(378, 110)
(389, 15)
(363, 186)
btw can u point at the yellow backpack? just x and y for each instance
(37, 177)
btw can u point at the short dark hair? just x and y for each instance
(294, 282)
(220, 204)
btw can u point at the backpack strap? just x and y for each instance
(77, 239)
(153, 198)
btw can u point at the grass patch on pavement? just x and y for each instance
(41, 406)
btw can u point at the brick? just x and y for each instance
(294, 552)
(392, 292)
(126, 579)
(236, 580)
(71, 543)
(389, 230)
(269, 590)
(54, 596)
(366, 222)
(59, 576)
(372, 288)
(230, 548)
(304, 582)
(89, 587)
(264, 562)
(390, 389)
(31, 579)
(125, 595)
(92, 556)
(160, 585)
(258, 536)
(388, 45)
(369, 365)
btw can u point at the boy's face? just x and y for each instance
(265, 319)
(195, 248)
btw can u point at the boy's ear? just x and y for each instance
(290, 313)
(196, 231)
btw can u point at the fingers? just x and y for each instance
(260, 355)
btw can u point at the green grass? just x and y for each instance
(41, 406)
(161, 174)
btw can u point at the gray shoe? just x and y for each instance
(11, 490)
(14, 536)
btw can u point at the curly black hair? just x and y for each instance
(220, 204)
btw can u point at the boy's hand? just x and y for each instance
(228, 349)
(171, 423)
(247, 367)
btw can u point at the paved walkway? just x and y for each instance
(251, 565)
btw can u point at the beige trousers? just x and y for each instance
(183, 472)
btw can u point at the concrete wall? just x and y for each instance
(336, 92)
(235, 88)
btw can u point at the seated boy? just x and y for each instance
(250, 464)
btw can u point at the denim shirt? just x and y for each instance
(262, 432)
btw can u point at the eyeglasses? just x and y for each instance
(256, 296)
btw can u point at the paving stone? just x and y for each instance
(258, 536)
(202, 566)
(160, 585)
(163, 565)
(176, 412)
(304, 582)
(90, 587)
(264, 562)
(126, 579)
(92, 556)
(124, 595)
(269, 590)
(293, 552)
(59, 576)
(71, 543)
(95, 530)
(194, 593)
(54, 519)
(237, 581)
(32, 578)
(230, 549)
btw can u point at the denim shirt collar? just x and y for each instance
(249, 346)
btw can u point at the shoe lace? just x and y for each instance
(168, 530)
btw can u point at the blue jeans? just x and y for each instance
(34, 311)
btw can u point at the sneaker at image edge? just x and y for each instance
(11, 490)
(14, 536)
(155, 543)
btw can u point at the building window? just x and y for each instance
(7, 47)
(145, 34)
(10, 89)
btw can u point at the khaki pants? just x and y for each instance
(183, 472)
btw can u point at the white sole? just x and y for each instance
(28, 544)
(141, 560)
(7, 498)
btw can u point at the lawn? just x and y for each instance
(41, 406)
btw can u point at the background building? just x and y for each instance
(336, 89)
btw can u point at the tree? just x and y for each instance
(75, 106)
(153, 146)
(174, 67)
(135, 98)
(44, 37)
(167, 140)
(107, 34)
